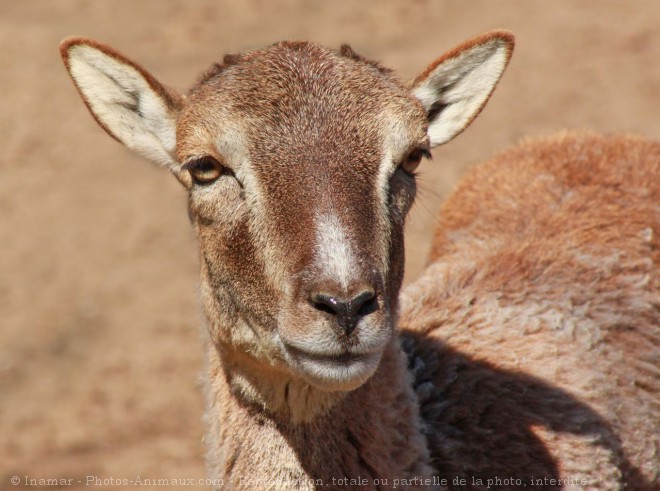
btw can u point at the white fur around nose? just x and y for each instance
(334, 255)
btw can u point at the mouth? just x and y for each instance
(346, 370)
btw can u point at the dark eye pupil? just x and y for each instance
(205, 170)
(203, 165)
(412, 161)
(414, 157)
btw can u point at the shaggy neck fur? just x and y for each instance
(372, 433)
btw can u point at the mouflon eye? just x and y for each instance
(410, 163)
(204, 170)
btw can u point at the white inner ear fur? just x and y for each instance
(462, 84)
(124, 102)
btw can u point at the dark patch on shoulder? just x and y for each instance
(355, 443)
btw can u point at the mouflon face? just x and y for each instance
(300, 166)
(302, 230)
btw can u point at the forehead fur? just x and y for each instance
(299, 94)
(234, 58)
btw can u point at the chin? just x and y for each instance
(334, 373)
(321, 360)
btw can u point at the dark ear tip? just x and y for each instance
(65, 46)
(69, 42)
(503, 35)
(72, 41)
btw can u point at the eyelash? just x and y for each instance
(411, 161)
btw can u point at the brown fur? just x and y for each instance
(302, 172)
(373, 432)
(528, 349)
(543, 299)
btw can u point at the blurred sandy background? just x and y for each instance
(99, 344)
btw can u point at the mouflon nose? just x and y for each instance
(347, 310)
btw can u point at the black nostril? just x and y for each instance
(368, 306)
(331, 304)
(327, 303)
(347, 311)
(362, 304)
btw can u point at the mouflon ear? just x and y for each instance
(456, 86)
(126, 100)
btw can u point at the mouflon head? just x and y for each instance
(299, 162)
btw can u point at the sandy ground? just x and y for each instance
(99, 344)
